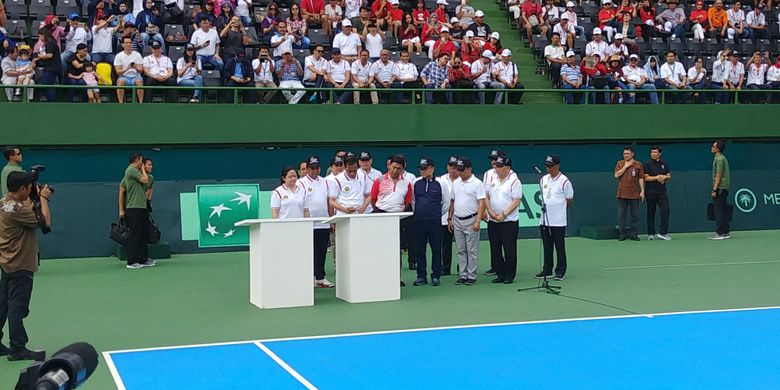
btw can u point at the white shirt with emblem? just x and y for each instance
(315, 198)
(371, 175)
(502, 193)
(446, 188)
(349, 192)
(289, 203)
(556, 191)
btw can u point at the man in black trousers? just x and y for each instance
(447, 237)
(558, 194)
(429, 199)
(133, 207)
(657, 174)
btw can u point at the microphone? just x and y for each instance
(536, 169)
(68, 368)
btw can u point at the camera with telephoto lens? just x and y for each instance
(36, 197)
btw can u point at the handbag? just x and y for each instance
(119, 232)
(154, 232)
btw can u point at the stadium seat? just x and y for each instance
(694, 47)
(17, 29)
(395, 56)
(713, 46)
(300, 55)
(66, 7)
(746, 46)
(730, 44)
(211, 78)
(39, 9)
(14, 9)
(147, 50)
(764, 45)
(677, 45)
(170, 33)
(175, 52)
(318, 37)
(657, 44)
(284, 13)
(419, 60)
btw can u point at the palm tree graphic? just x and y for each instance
(745, 199)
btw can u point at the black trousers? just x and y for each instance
(15, 293)
(503, 248)
(720, 209)
(554, 236)
(138, 222)
(169, 94)
(321, 241)
(657, 199)
(407, 232)
(623, 205)
(428, 232)
(446, 249)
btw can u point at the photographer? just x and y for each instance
(133, 206)
(19, 257)
(264, 76)
(76, 33)
(232, 37)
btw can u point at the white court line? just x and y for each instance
(691, 265)
(646, 315)
(114, 372)
(286, 366)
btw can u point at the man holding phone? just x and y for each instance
(206, 41)
(128, 65)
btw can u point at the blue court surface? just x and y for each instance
(714, 350)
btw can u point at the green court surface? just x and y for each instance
(194, 299)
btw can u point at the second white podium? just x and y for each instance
(368, 256)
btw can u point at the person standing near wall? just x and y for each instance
(13, 156)
(466, 208)
(503, 198)
(558, 194)
(430, 198)
(315, 205)
(657, 174)
(631, 190)
(133, 207)
(721, 184)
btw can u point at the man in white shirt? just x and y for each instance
(773, 79)
(263, 68)
(338, 76)
(360, 73)
(756, 22)
(365, 161)
(565, 30)
(465, 215)
(381, 74)
(446, 181)
(554, 53)
(206, 41)
(405, 75)
(158, 70)
(315, 205)
(102, 40)
(506, 76)
(11, 72)
(571, 12)
(735, 74)
(128, 64)
(348, 42)
(674, 77)
(315, 68)
(350, 191)
(718, 78)
(737, 25)
(557, 195)
(503, 198)
(375, 40)
(77, 33)
(635, 78)
(481, 72)
(282, 41)
(597, 45)
(617, 47)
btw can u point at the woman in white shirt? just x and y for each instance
(287, 199)
(696, 78)
(188, 68)
(756, 72)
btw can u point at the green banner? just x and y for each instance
(220, 206)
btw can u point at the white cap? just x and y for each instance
(603, 2)
(441, 2)
(470, 34)
(564, 16)
(495, 34)
(631, 57)
(488, 54)
(345, 23)
(571, 4)
(569, 53)
(618, 36)
(479, 14)
(454, 20)
(445, 29)
(597, 30)
(394, 2)
(506, 53)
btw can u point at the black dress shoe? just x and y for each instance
(445, 273)
(24, 354)
(622, 238)
(4, 350)
(634, 238)
(497, 280)
(403, 284)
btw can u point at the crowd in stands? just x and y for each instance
(380, 45)
(648, 46)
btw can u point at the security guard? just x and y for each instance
(657, 174)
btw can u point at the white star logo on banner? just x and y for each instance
(242, 198)
(230, 233)
(211, 229)
(218, 210)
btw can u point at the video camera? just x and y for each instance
(36, 197)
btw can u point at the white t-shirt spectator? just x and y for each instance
(191, 71)
(338, 71)
(596, 47)
(675, 72)
(633, 75)
(242, 8)
(102, 40)
(621, 50)
(564, 31)
(289, 203)
(123, 60)
(773, 74)
(374, 44)
(556, 52)
(695, 76)
(405, 71)
(756, 20)
(321, 65)
(466, 196)
(506, 72)
(381, 71)
(735, 17)
(265, 74)
(734, 71)
(556, 191)
(718, 71)
(477, 67)
(348, 44)
(361, 71)
(756, 73)
(158, 66)
(200, 36)
(287, 44)
(76, 36)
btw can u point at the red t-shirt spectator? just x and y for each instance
(598, 70)
(446, 47)
(463, 73)
(530, 7)
(700, 15)
(470, 55)
(412, 33)
(313, 6)
(376, 13)
(606, 13)
(427, 31)
(495, 49)
(396, 14)
(420, 15)
(442, 14)
(624, 9)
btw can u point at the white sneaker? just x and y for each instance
(134, 266)
(149, 262)
(717, 236)
(650, 237)
(664, 237)
(323, 283)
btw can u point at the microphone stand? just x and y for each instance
(544, 284)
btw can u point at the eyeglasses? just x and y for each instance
(319, 50)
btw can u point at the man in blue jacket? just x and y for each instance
(150, 24)
(429, 200)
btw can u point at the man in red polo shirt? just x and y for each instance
(313, 12)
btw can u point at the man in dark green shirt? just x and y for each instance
(13, 156)
(721, 184)
(133, 207)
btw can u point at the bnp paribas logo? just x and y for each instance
(220, 206)
(745, 200)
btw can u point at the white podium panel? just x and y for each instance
(281, 270)
(368, 256)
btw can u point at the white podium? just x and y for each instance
(281, 270)
(368, 256)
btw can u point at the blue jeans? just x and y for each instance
(193, 82)
(700, 85)
(342, 96)
(156, 37)
(50, 78)
(72, 91)
(646, 86)
(720, 97)
(246, 21)
(429, 97)
(305, 43)
(212, 60)
(103, 57)
(428, 232)
(677, 97)
(569, 97)
(318, 82)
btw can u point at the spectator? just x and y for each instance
(635, 77)
(242, 10)
(515, 8)
(74, 71)
(381, 74)
(482, 74)
(756, 23)
(127, 65)
(91, 79)
(756, 73)
(459, 77)
(469, 49)
(206, 13)
(268, 24)
(736, 18)
(263, 68)
(434, 76)
(151, 24)
(718, 79)
(672, 20)
(480, 29)
(409, 35)
(735, 74)
(374, 41)
(441, 12)
(225, 16)
(158, 69)
(627, 30)
(333, 16)
(572, 14)
(123, 15)
(348, 42)
(506, 76)
(282, 40)
(465, 13)
(615, 79)
(49, 57)
(565, 31)
(430, 33)
(718, 20)
(297, 24)
(674, 77)
(188, 67)
(625, 8)
(12, 72)
(429, 200)
(597, 45)
(630, 192)
(698, 21)
(554, 55)
(232, 37)
(647, 16)
(773, 78)
(607, 19)
(361, 22)
(130, 31)
(444, 44)
(314, 73)
(351, 8)
(360, 73)
(25, 67)
(395, 17)
(206, 42)
(338, 76)
(52, 24)
(656, 175)
(76, 33)
(571, 76)
(493, 44)
(102, 40)
(652, 71)
(238, 73)
(456, 32)
(289, 72)
(313, 12)
(420, 14)
(533, 21)
(617, 48)
(551, 14)
(465, 215)
(595, 74)
(405, 75)
(697, 78)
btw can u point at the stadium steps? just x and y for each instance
(521, 55)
